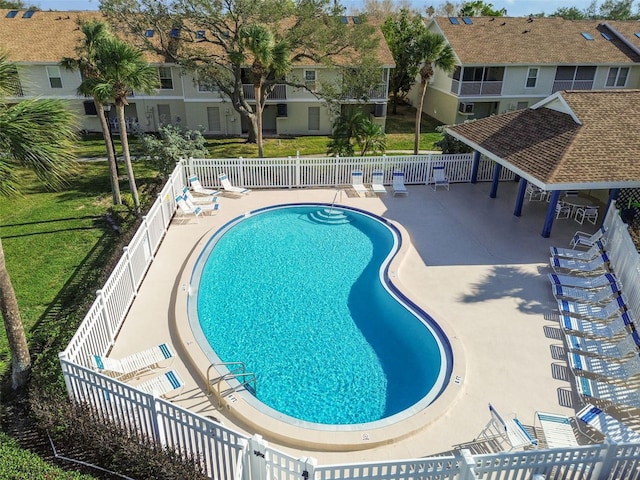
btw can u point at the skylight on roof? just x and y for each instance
(12, 13)
(467, 21)
(356, 20)
(454, 21)
(200, 34)
(344, 20)
(149, 33)
(605, 35)
(637, 34)
(28, 14)
(587, 36)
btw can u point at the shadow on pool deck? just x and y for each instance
(476, 269)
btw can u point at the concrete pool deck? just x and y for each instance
(476, 269)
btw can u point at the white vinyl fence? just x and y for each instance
(227, 455)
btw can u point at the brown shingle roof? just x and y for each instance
(550, 146)
(542, 41)
(50, 36)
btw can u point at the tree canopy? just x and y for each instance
(607, 10)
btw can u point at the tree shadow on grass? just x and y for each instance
(512, 282)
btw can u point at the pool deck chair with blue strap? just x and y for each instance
(132, 364)
(584, 239)
(598, 281)
(614, 328)
(397, 184)
(557, 429)
(197, 187)
(509, 430)
(594, 296)
(607, 425)
(439, 179)
(227, 187)
(377, 182)
(608, 369)
(357, 182)
(595, 266)
(590, 389)
(162, 385)
(593, 252)
(613, 308)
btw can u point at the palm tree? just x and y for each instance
(38, 135)
(120, 69)
(270, 62)
(94, 32)
(436, 52)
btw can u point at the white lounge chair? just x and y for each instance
(610, 369)
(589, 388)
(557, 430)
(211, 206)
(198, 188)
(578, 309)
(609, 426)
(614, 328)
(595, 282)
(439, 179)
(595, 295)
(596, 249)
(508, 431)
(397, 184)
(162, 385)
(187, 210)
(588, 213)
(377, 182)
(208, 200)
(357, 182)
(596, 266)
(227, 187)
(624, 348)
(584, 239)
(134, 363)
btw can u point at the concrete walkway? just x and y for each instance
(476, 269)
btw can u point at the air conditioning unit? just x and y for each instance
(466, 108)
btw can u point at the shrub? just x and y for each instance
(449, 144)
(171, 143)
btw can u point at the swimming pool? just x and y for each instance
(303, 298)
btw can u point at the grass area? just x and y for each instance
(47, 236)
(399, 129)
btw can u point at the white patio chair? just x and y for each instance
(507, 431)
(596, 249)
(589, 213)
(357, 182)
(210, 206)
(208, 200)
(438, 177)
(609, 369)
(594, 296)
(557, 429)
(584, 239)
(377, 182)
(589, 389)
(197, 187)
(607, 425)
(227, 187)
(398, 184)
(162, 385)
(614, 328)
(595, 282)
(562, 210)
(186, 210)
(624, 348)
(535, 193)
(135, 363)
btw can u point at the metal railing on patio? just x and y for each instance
(226, 454)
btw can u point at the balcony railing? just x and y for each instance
(572, 85)
(470, 89)
(379, 92)
(279, 92)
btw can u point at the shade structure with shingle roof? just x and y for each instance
(572, 140)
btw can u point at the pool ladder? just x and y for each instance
(237, 371)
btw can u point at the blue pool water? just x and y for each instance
(302, 303)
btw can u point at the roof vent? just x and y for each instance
(12, 13)
(28, 14)
(149, 33)
(200, 34)
(174, 33)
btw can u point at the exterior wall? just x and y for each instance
(440, 105)
(296, 121)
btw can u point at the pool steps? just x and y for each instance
(330, 216)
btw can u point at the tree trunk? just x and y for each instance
(111, 154)
(394, 104)
(20, 357)
(127, 156)
(257, 90)
(416, 142)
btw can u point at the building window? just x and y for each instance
(310, 79)
(617, 76)
(522, 105)
(166, 82)
(532, 77)
(314, 118)
(55, 78)
(206, 85)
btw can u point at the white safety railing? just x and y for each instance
(224, 453)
